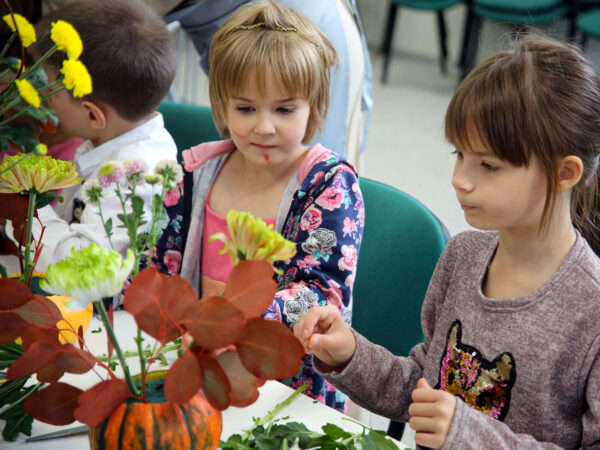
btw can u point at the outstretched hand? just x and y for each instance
(431, 414)
(322, 332)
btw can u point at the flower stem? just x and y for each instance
(27, 266)
(111, 334)
(7, 45)
(39, 62)
(271, 414)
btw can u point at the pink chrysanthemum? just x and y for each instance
(111, 172)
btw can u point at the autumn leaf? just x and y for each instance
(98, 402)
(185, 368)
(251, 287)
(244, 385)
(54, 404)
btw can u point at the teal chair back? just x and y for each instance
(402, 241)
(188, 124)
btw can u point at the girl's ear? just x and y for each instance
(95, 115)
(570, 169)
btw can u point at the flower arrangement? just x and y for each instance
(231, 350)
(30, 175)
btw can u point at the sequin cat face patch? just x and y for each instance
(484, 385)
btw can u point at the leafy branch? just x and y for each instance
(269, 433)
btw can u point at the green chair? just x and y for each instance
(587, 20)
(402, 241)
(188, 124)
(431, 5)
(520, 14)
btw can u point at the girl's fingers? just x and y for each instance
(421, 409)
(430, 440)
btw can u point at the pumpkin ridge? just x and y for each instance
(155, 429)
(122, 427)
(192, 436)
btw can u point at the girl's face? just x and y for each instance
(268, 129)
(496, 195)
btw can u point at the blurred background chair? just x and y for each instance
(587, 20)
(433, 5)
(519, 14)
(188, 124)
(402, 241)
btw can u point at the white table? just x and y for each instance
(235, 420)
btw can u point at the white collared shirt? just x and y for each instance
(150, 142)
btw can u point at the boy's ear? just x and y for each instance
(96, 114)
(570, 169)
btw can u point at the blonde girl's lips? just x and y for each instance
(264, 147)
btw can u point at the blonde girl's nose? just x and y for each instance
(264, 124)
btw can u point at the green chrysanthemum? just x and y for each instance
(26, 30)
(28, 92)
(88, 275)
(253, 239)
(77, 78)
(66, 38)
(36, 174)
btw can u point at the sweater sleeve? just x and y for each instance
(327, 230)
(380, 381)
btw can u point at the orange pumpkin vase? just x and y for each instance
(159, 424)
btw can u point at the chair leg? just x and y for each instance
(387, 40)
(396, 429)
(583, 41)
(471, 46)
(443, 36)
(466, 35)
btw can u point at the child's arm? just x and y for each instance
(324, 334)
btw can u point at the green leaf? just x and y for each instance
(380, 440)
(108, 227)
(17, 422)
(44, 199)
(335, 432)
(38, 78)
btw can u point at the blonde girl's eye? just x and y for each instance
(285, 110)
(244, 108)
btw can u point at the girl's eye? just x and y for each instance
(244, 109)
(458, 154)
(285, 110)
(489, 167)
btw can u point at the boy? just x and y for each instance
(130, 57)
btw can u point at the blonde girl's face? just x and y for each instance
(496, 195)
(268, 129)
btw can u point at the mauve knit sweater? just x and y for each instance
(528, 367)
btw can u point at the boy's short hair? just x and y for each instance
(263, 39)
(127, 50)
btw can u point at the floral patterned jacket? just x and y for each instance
(321, 211)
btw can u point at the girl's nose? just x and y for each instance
(460, 179)
(264, 125)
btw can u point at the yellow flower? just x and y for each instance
(26, 30)
(77, 78)
(28, 92)
(72, 319)
(36, 174)
(66, 38)
(253, 239)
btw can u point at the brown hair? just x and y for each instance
(539, 98)
(264, 39)
(127, 50)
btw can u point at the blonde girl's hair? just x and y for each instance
(266, 39)
(540, 98)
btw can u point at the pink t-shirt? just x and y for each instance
(215, 268)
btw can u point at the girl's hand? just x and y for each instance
(322, 331)
(431, 414)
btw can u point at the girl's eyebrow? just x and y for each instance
(285, 100)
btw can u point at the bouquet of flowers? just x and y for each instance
(231, 349)
(29, 175)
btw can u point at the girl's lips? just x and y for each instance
(264, 147)
(467, 207)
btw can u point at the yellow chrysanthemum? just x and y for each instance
(77, 77)
(28, 92)
(66, 38)
(253, 239)
(36, 174)
(26, 30)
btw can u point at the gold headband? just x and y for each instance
(264, 26)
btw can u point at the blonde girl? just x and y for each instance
(269, 85)
(511, 319)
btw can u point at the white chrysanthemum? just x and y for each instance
(88, 275)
